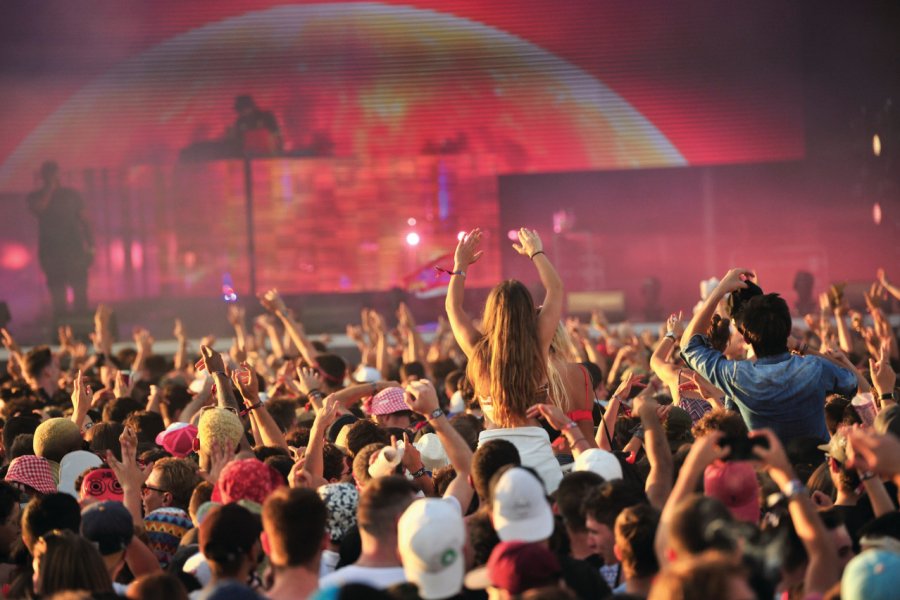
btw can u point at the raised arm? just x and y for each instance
(247, 382)
(659, 360)
(891, 289)
(421, 398)
(181, 351)
(315, 450)
(733, 281)
(659, 480)
(467, 253)
(271, 301)
(823, 569)
(530, 245)
(607, 429)
(702, 453)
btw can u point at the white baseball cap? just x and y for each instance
(432, 450)
(603, 463)
(72, 465)
(431, 536)
(521, 511)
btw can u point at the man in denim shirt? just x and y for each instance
(778, 390)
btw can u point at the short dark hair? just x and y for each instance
(412, 369)
(18, 425)
(38, 359)
(283, 412)
(570, 496)
(604, 502)
(118, 409)
(332, 368)
(699, 523)
(105, 436)
(9, 496)
(365, 432)
(294, 521)
(382, 502)
(765, 322)
(334, 461)
(635, 531)
(146, 424)
(175, 397)
(49, 512)
(487, 460)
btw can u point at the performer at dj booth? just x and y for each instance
(65, 241)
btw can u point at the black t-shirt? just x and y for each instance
(61, 232)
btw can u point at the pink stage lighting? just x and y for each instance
(412, 238)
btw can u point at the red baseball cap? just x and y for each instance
(516, 567)
(735, 485)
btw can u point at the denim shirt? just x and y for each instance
(785, 393)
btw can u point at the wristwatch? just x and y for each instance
(887, 396)
(670, 335)
(436, 414)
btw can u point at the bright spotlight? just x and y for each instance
(513, 235)
(412, 238)
(460, 235)
(411, 221)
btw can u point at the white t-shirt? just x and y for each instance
(535, 451)
(376, 577)
(329, 561)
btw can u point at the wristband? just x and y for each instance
(538, 252)
(569, 426)
(670, 335)
(420, 473)
(887, 396)
(793, 488)
(316, 394)
(436, 414)
(866, 476)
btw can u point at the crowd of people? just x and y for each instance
(516, 453)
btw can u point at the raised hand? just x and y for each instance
(143, 340)
(235, 315)
(553, 414)
(128, 472)
(870, 451)
(529, 242)
(9, 341)
(421, 397)
(412, 458)
(179, 332)
(123, 386)
(308, 379)
(81, 398)
(467, 251)
(625, 386)
(774, 457)
(212, 360)
(675, 325)
(883, 377)
(735, 280)
(329, 413)
(882, 277)
(272, 302)
(247, 384)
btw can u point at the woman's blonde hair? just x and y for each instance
(507, 361)
(559, 347)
